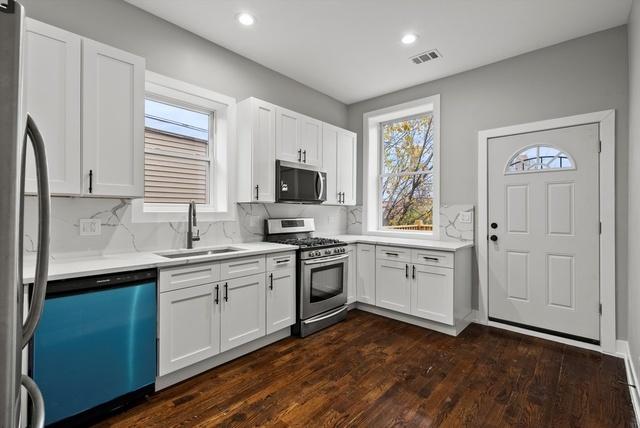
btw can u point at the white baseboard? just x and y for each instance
(622, 347)
(202, 366)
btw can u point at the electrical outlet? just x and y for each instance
(90, 227)
(466, 217)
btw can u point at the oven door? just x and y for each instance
(324, 284)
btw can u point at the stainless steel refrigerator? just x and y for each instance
(17, 129)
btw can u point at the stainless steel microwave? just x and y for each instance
(303, 184)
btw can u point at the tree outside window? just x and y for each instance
(406, 174)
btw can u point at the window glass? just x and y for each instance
(539, 158)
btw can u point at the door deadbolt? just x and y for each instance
(494, 225)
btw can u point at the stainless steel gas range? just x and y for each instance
(321, 278)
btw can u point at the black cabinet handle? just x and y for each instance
(271, 279)
(406, 271)
(435, 259)
(90, 181)
(391, 254)
(304, 153)
(299, 155)
(217, 299)
(413, 274)
(257, 192)
(226, 292)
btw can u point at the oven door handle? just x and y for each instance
(314, 320)
(332, 259)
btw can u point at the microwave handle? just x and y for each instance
(321, 180)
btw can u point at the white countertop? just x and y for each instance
(78, 265)
(404, 242)
(75, 265)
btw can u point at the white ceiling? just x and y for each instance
(351, 50)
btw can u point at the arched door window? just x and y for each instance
(539, 158)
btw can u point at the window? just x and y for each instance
(177, 160)
(406, 178)
(401, 169)
(188, 152)
(539, 158)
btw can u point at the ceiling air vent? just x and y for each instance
(426, 56)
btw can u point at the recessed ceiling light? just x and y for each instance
(409, 38)
(245, 19)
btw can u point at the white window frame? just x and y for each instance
(222, 154)
(371, 195)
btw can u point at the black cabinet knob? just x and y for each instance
(494, 225)
(494, 238)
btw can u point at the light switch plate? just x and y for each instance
(466, 217)
(90, 227)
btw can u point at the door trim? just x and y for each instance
(606, 121)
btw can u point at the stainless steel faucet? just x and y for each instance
(193, 221)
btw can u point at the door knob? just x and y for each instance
(494, 225)
(494, 238)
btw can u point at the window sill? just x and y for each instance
(152, 213)
(431, 236)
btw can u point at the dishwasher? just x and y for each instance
(94, 351)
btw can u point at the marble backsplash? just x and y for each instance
(453, 224)
(120, 234)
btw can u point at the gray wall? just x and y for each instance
(177, 53)
(633, 333)
(579, 76)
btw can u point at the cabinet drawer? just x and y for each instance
(183, 277)
(237, 268)
(281, 261)
(432, 258)
(393, 253)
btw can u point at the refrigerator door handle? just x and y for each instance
(44, 211)
(37, 402)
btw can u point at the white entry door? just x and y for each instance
(544, 227)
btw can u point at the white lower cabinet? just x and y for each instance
(189, 329)
(366, 280)
(352, 274)
(281, 299)
(393, 285)
(242, 315)
(432, 293)
(204, 309)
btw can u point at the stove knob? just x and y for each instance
(342, 250)
(327, 251)
(318, 253)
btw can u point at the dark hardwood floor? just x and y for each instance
(371, 371)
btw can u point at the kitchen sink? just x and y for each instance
(180, 254)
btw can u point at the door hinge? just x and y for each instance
(600, 146)
(600, 309)
(600, 228)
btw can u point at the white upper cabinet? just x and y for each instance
(347, 166)
(329, 164)
(52, 97)
(311, 141)
(112, 121)
(256, 151)
(288, 146)
(339, 161)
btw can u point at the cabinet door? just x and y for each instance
(329, 156)
(346, 161)
(393, 286)
(189, 328)
(311, 141)
(352, 274)
(112, 121)
(366, 268)
(263, 147)
(432, 294)
(288, 147)
(281, 300)
(52, 97)
(243, 311)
